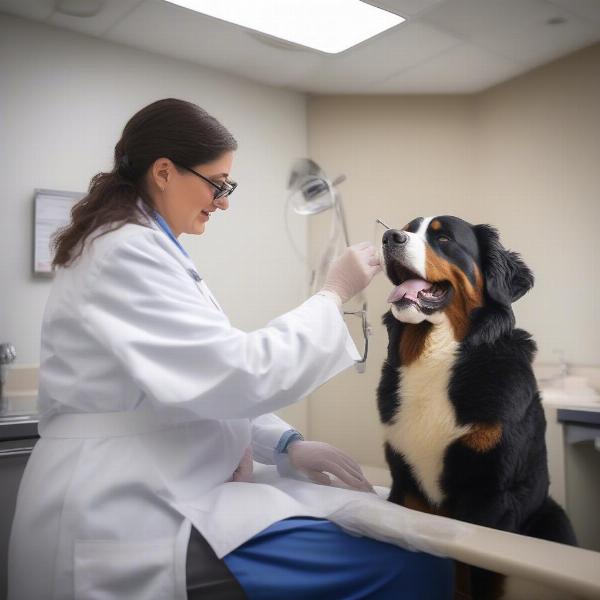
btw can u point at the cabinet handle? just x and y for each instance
(15, 452)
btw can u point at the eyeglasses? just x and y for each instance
(221, 191)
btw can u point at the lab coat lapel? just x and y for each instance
(185, 261)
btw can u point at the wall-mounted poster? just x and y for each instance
(52, 210)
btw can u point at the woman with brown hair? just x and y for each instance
(151, 402)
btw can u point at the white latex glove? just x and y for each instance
(314, 458)
(352, 271)
(245, 468)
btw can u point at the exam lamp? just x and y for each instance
(312, 192)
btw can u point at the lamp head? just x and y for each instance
(310, 191)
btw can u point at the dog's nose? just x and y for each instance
(394, 237)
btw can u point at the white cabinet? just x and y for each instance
(572, 428)
(556, 454)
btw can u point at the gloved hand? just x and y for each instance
(245, 468)
(313, 458)
(352, 271)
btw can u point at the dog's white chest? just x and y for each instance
(425, 423)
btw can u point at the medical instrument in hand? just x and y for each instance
(312, 192)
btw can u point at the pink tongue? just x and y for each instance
(409, 288)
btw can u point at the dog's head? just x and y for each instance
(445, 267)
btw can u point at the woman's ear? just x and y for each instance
(161, 172)
(506, 276)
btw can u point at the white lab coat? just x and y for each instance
(148, 399)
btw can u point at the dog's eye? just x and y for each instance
(443, 238)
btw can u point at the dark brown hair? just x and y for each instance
(170, 128)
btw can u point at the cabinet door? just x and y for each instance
(13, 458)
(555, 446)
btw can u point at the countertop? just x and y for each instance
(572, 406)
(586, 399)
(579, 416)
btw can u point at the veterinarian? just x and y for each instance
(152, 407)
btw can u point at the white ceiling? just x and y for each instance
(445, 46)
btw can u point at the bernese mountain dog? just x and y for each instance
(459, 404)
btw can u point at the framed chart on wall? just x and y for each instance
(51, 211)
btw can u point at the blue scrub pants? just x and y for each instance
(312, 559)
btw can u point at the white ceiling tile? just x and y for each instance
(536, 43)
(588, 9)
(174, 31)
(38, 10)
(446, 46)
(379, 58)
(276, 66)
(462, 69)
(111, 12)
(477, 18)
(405, 8)
(336, 85)
(201, 39)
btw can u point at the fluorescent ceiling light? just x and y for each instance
(326, 25)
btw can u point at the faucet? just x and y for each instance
(563, 364)
(7, 356)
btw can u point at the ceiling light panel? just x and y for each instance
(329, 26)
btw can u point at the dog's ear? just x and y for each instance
(506, 276)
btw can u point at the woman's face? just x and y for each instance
(185, 200)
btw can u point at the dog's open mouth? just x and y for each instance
(411, 289)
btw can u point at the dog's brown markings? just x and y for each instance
(483, 437)
(436, 225)
(412, 341)
(466, 295)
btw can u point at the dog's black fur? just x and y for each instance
(491, 382)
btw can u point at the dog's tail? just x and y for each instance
(550, 522)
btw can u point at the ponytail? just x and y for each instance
(110, 198)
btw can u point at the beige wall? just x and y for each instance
(538, 147)
(523, 156)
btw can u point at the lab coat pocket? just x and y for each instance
(106, 570)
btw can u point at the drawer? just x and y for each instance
(13, 458)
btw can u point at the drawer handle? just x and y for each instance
(15, 452)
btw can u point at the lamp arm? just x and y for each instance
(339, 207)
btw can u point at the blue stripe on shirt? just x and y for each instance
(165, 227)
(289, 436)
